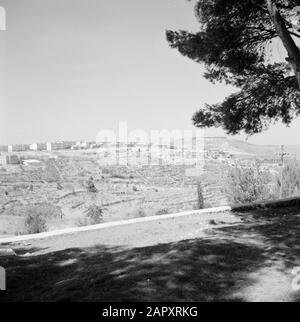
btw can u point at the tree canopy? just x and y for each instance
(232, 43)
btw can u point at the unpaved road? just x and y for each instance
(246, 257)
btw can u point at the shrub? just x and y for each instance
(36, 217)
(200, 197)
(161, 212)
(248, 184)
(91, 186)
(51, 173)
(35, 223)
(94, 215)
(139, 212)
(288, 180)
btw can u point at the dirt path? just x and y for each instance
(246, 257)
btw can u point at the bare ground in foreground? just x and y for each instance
(239, 257)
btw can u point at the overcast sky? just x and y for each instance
(70, 68)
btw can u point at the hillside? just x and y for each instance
(234, 146)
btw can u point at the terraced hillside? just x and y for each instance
(122, 191)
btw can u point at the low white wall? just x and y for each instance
(110, 224)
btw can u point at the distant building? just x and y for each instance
(57, 146)
(12, 159)
(20, 147)
(61, 145)
(80, 145)
(68, 144)
(3, 160)
(33, 147)
(41, 146)
(38, 147)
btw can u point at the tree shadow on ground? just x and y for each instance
(191, 270)
(207, 269)
(279, 229)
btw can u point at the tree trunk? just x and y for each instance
(286, 38)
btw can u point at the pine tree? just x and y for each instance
(232, 43)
